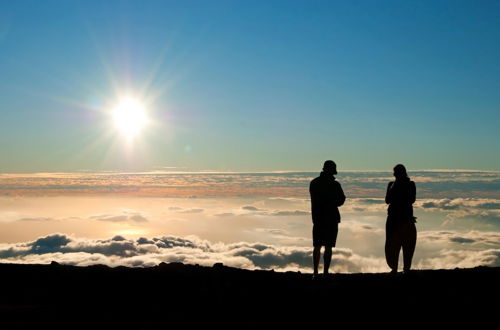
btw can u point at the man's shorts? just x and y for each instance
(325, 234)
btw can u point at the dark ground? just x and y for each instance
(57, 296)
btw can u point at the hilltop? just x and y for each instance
(157, 297)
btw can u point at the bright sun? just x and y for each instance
(129, 117)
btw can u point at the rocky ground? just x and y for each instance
(59, 296)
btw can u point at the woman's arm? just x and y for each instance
(388, 194)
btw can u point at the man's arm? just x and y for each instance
(340, 196)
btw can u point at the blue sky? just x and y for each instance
(251, 85)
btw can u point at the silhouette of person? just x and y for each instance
(400, 226)
(326, 196)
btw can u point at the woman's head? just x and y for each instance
(400, 172)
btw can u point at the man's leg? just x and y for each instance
(327, 259)
(316, 257)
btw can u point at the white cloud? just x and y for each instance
(123, 216)
(449, 251)
(289, 213)
(454, 204)
(192, 211)
(284, 225)
(250, 208)
(462, 259)
(37, 219)
(253, 210)
(273, 231)
(365, 205)
(192, 250)
(225, 214)
(184, 210)
(483, 209)
(471, 238)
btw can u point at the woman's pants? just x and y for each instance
(400, 235)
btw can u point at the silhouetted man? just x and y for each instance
(326, 197)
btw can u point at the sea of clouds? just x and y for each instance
(247, 220)
(450, 250)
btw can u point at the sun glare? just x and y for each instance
(129, 117)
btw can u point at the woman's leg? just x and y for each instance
(316, 257)
(392, 246)
(409, 244)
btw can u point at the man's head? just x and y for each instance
(329, 167)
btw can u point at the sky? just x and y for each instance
(250, 85)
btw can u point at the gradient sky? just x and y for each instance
(251, 85)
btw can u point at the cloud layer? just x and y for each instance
(430, 184)
(124, 216)
(145, 252)
(483, 209)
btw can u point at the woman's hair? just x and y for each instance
(400, 172)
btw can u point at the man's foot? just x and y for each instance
(327, 275)
(393, 271)
(318, 276)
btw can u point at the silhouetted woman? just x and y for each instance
(400, 227)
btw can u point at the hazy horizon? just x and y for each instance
(208, 171)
